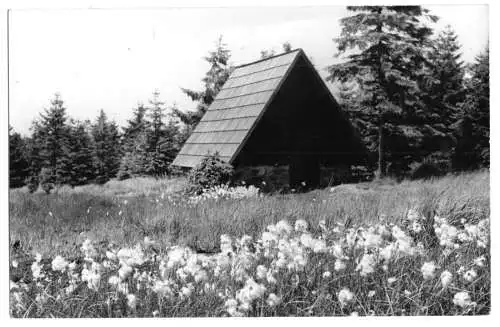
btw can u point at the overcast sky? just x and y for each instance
(113, 59)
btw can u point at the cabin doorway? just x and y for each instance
(304, 172)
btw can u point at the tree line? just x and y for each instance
(418, 108)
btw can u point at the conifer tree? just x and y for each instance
(213, 81)
(385, 50)
(447, 90)
(106, 148)
(18, 163)
(473, 127)
(135, 144)
(135, 126)
(80, 154)
(161, 139)
(52, 134)
(33, 150)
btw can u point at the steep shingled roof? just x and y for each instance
(235, 111)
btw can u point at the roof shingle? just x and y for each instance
(233, 114)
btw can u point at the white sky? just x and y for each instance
(112, 59)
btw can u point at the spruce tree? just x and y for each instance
(33, 154)
(80, 154)
(18, 163)
(135, 144)
(106, 152)
(161, 139)
(213, 81)
(385, 49)
(447, 90)
(52, 134)
(473, 127)
(134, 127)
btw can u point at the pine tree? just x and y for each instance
(214, 79)
(387, 48)
(80, 154)
(473, 127)
(52, 134)
(106, 151)
(18, 163)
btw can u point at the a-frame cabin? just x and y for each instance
(275, 119)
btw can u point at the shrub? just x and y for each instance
(32, 183)
(432, 166)
(210, 172)
(47, 179)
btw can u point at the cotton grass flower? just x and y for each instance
(327, 274)
(36, 270)
(345, 297)
(114, 280)
(446, 278)
(371, 294)
(470, 275)
(261, 272)
(131, 257)
(273, 300)
(463, 300)
(131, 301)
(283, 228)
(428, 270)
(367, 265)
(59, 263)
(479, 261)
(339, 265)
(391, 280)
(125, 271)
(301, 226)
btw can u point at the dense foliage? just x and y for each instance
(405, 92)
(209, 173)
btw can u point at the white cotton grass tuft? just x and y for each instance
(59, 263)
(131, 301)
(273, 300)
(345, 297)
(470, 275)
(446, 278)
(367, 265)
(428, 270)
(301, 226)
(463, 300)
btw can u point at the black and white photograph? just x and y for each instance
(248, 161)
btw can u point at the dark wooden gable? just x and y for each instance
(274, 111)
(302, 120)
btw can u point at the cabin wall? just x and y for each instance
(268, 178)
(276, 178)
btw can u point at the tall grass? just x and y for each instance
(124, 212)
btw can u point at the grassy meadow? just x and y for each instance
(139, 248)
(124, 212)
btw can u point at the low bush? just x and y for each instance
(212, 171)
